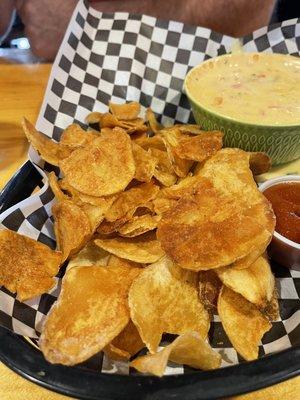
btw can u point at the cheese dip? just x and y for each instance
(256, 88)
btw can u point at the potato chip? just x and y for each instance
(88, 256)
(163, 204)
(186, 186)
(93, 117)
(91, 311)
(256, 283)
(121, 262)
(248, 260)
(72, 227)
(209, 289)
(127, 111)
(105, 167)
(189, 349)
(107, 228)
(49, 150)
(163, 172)
(151, 119)
(138, 225)
(55, 187)
(126, 344)
(243, 323)
(27, 267)
(153, 142)
(164, 299)
(190, 129)
(128, 201)
(145, 163)
(259, 163)
(271, 311)
(95, 214)
(74, 136)
(143, 249)
(200, 147)
(209, 230)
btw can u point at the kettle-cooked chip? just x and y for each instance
(72, 227)
(74, 136)
(49, 150)
(121, 262)
(55, 187)
(127, 111)
(259, 162)
(93, 118)
(162, 204)
(103, 168)
(91, 311)
(164, 298)
(189, 349)
(209, 289)
(138, 225)
(143, 249)
(243, 323)
(126, 344)
(190, 129)
(186, 186)
(88, 256)
(164, 171)
(27, 267)
(153, 124)
(256, 283)
(152, 142)
(145, 163)
(128, 201)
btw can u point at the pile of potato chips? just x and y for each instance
(160, 228)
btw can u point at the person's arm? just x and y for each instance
(6, 11)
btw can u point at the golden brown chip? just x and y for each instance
(153, 124)
(49, 150)
(162, 204)
(74, 136)
(256, 283)
(55, 187)
(107, 228)
(88, 256)
(199, 148)
(271, 311)
(91, 311)
(259, 163)
(128, 201)
(164, 298)
(190, 129)
(27, 267)
(209, 230)
(186, 186)
(143, 249)
(154, 142)
(121, 262)
(105, 167)
(163, 172)
(126, 344)
(72, 227)
(138, 225)
(93, 117)
(209, 289)
(127, 111)
(243, 323)
(189, 349)
(145, 163)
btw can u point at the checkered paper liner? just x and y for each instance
(122, 57)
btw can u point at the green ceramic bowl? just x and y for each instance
(281, 143)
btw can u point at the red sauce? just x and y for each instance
(285, 199)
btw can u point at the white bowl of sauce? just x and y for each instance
(284, 195)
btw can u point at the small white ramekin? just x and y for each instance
(283, 250)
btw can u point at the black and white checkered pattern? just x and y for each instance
(121, 57)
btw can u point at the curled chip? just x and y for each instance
(103, 168)
(209, 230)
(72, 227)
(138, 225)
(88, 256)
(143, 249)
(164, 298)
(49, 150)
(27, 267)
(163, 172)
(128, 201)
(259, 163)
(93, 117)
(190, 129)
(55, 187)
(74, 136)
(209, 289)
(186, 186)
(189, 349)
(127, 111)
(90, 312)
(153, 124)
(107, 228)
(126, 344)
(244, 324)
(145, 163)
(152, 142)
(200, 147)
(256, 283)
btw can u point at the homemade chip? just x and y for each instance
(127, 111)
(105, 167)
(243, 323)
(153, 124)
(143, 249)
(74, 136)
(164, 299)
(27, 267)
(163, 204)
(271, 311)
(121, 262)
(55, 187)
(107, 228)
(145, 163)
(186, 186)
(126, 344)
(138, 225)
(88, 256)
(209, 230)
(128, 201)
(189, 349)
(190, 129)
(72, 227)
(163, 172)
(49, 150)
(256, 283)
(200, 147)
(91, 311)
(209, 289)
(93, 117)
(259, 163)
(153, 142)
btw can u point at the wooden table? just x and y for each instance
(21, 92)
